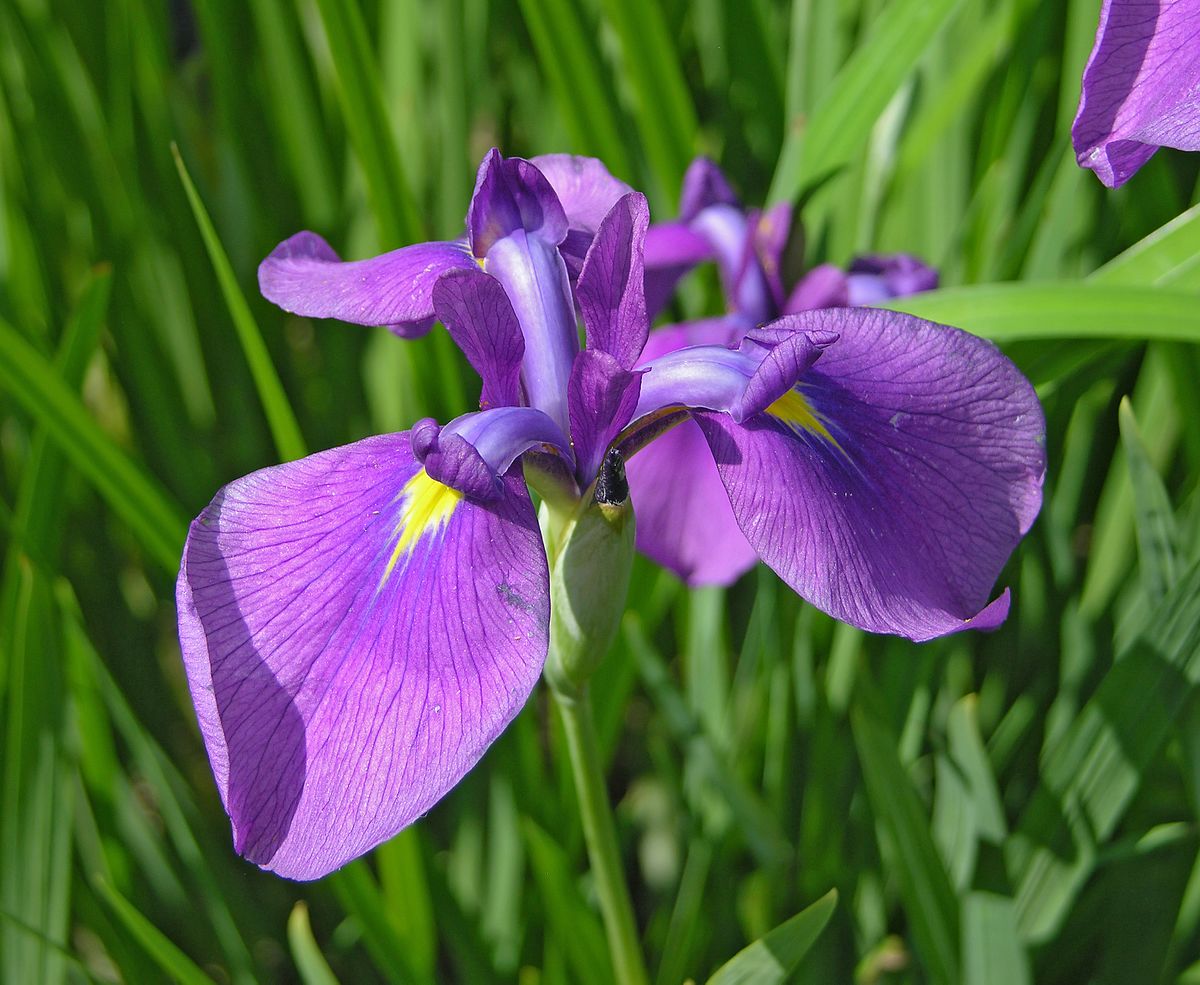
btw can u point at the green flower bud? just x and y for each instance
(589, 580)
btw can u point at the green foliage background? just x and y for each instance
(992, 809)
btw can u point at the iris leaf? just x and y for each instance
(148, 510)
(905, 839)
(310, 962)
(842, 121)
(664, 112)
(1168, 255)
(367, 121)
(571, 921)
(37, 791)
(284, 428)
(1157, 535)
(567, 53)
(1032, 311)
(1089, 777)
(992, 951)
(156, 944)
(771, 959)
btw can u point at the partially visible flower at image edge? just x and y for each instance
(359, 625)
(1141, 87)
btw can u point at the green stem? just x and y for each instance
(601, 837)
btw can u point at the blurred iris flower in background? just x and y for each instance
(358, 626)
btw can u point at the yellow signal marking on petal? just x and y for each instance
(428, 506)
(797, 413)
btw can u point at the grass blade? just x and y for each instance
(367, 121)
(664, 112)
(138, 500)
(1089, 777)
(1157, 535)
(1167, 254)
(310, 962)
(1019, 312)
(905, 839)
(280, 417)
(842, 122)
(771, 959)
(567, 53)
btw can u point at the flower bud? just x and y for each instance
(589, 580)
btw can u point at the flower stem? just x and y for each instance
(600, 834)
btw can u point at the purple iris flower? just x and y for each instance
(1141, 87)
(696, 534)
(358, 626)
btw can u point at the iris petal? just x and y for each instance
(480, 318)
(355, 635)
(303, 275)
(611, 291)
(685, 522)
(891, 485)
(1141, 87)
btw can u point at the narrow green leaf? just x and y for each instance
(405, 888)
(359, 894)
(1166, 255)
(500, 921)
(771, 959)
(567, 52)
(280, 417)
(753, 818)
(842, 121)
(988, 42)
(367, 121)
(1021, 311)
(1090, 776)
(134, 497)
(966, 806)
(571, 921)
(40, 500)
(905, 838)
(156, 944)
(36, 810)
(992, 950)
(1110, 560)
(102, 717)
(1154, 520)
(294, 108)
(687, 914)
(310, 962)
(664, 113)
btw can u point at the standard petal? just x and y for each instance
(1141, 87)
(480, 318)
(672, 249)
(511, 194)
(355, 635)
(611, 291)
(704, 184)
(603, 395)
(303, 275)
(535, 279)
(891, 485)
(584, 186)
(587, 191)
